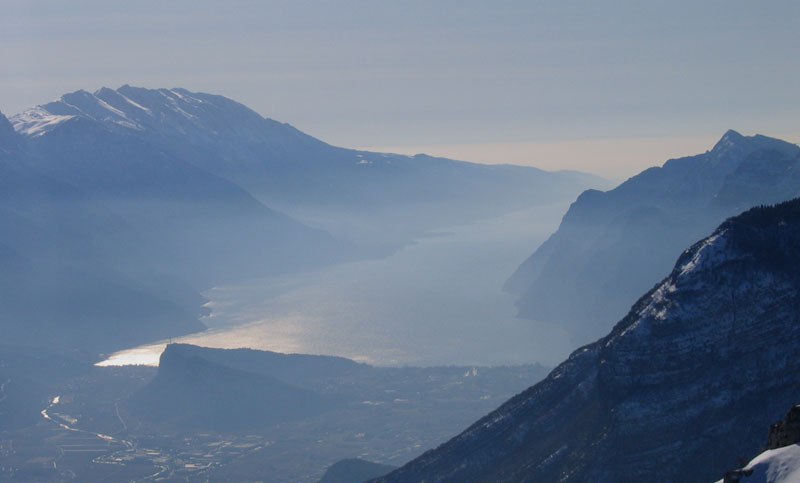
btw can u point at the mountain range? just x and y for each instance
(345, 191)
(118, 207)
(681, 389)
(612, 246)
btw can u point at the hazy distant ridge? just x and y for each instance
(611, 246)
(348, 192)
(120, 205)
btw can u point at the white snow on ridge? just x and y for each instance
(175, 106)
(38, 120)
(125, 112)
(706, 254)
(35, 122)
(135, 104)
(185, 114)
(780, 465)
(111, 108)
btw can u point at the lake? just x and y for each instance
(435, 302)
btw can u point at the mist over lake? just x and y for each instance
(435, 302)
(393, 242)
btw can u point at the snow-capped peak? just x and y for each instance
(36, 121)
(163, 110)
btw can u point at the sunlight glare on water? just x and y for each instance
(140, 356)
(436, 302)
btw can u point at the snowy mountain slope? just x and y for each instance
(678, 391)
(611, 246)
(781, 465)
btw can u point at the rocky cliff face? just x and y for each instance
(679, 390)
(194, 392)
(786, 431)
(612, 246)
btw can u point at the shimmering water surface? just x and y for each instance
(436, 302)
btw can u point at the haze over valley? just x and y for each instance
(406, 292)
(422, 305)
(386, 259)
(576, 261)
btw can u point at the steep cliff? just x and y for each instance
(612, 246)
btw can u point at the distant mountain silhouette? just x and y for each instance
(117, 207)
(611, 246)
(345, 191)
(679, 390)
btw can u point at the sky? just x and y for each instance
(606, 87)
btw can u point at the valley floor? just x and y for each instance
(85, 433)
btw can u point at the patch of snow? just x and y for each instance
(780, 465)
(73, 106)
(658, 308)
(176, 107)
(704, 255)
(35, 122)
(554, 456)
(639, 328)
(129, 124)
(135, 104)
(111, 108)
(471, 373)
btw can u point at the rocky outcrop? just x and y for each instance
(779, 461)
(786, 431)
(191, 391)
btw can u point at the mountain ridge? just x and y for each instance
(707, 355)
(613, 245)
(337, 189)
(156, 194)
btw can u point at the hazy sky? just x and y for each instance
(567, 84)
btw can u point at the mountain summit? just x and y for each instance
(681, 388)
(163, 112)
(612, 246)
(362, 196)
